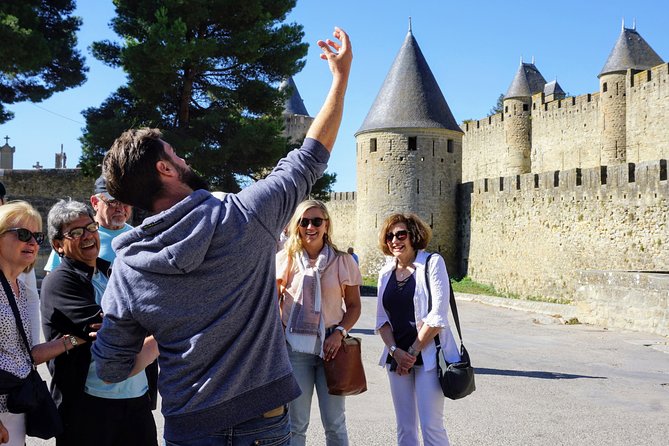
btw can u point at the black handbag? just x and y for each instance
(456, 378)
(31, 395)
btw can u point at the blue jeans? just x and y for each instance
(258, 431)
(309, 372)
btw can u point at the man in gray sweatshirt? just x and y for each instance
(199, 276)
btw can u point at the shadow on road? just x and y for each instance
(532, 374)
(363, 331)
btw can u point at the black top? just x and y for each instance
(398, 303)
(68, 307)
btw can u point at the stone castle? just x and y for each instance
(555, 197)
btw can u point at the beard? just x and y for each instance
(189, 177)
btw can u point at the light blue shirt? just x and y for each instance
(133, 387)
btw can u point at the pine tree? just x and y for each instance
(37, 55)
(206, 73)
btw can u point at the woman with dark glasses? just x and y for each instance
(93, 411)
(408, 329)
(20, 236)
(316, 318)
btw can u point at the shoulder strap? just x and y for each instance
(454, 307)
(17, 315)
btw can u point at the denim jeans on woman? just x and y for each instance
(261, 431)
(309, 372)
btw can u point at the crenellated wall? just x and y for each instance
(342, 209)
(531, 234)
(648, 114)
(484, 147)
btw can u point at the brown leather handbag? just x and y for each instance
(345, 374)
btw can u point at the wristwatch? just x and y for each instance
(73, 340)
(392, 349)
(342, 329)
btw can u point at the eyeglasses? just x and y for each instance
(25, 235)
(112, 203)
(316, 222)
(78, 232)
(400, 235)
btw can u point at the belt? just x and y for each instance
(275, 412)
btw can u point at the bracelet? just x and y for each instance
(412, 351)
(67, 352)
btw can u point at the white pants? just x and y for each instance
(16, 426)
(418, 396)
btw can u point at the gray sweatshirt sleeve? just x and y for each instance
(274, 199)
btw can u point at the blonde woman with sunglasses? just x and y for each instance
(20, 237)
(408, 329)
(316, 318)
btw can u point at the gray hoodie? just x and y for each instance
(200, 278)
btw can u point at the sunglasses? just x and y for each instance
(78, 232)
(316, 222)
(25, 235)
(112, 203)
(400, 235)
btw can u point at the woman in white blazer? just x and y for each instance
(408, 329)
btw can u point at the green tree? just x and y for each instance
(499, 106)
(37, 54)
(206, 72)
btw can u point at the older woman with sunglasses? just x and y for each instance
(20, 237)
(316, 318)
(408, 329)
(93, 411)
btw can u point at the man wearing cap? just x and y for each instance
(111, 215)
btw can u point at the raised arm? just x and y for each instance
(339, 56)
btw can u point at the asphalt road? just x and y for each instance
(539, 382)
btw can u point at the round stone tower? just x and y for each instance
(517, 118)
(631, 52)
(409, 159)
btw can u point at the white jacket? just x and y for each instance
(438, 316)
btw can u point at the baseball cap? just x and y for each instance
(101, 188)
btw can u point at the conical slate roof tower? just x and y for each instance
(295, 114)
(409, 154)
(410, 95)
(630, 51)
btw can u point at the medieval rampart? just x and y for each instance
(484, 146)
(648, 114)
(531, 234)
(342, 209)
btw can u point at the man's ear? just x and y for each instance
(94, 202)
(57, 245)
(166, 168)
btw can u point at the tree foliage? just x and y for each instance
(206, 73)
(37, 54)
(499, 106)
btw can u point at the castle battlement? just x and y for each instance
(492, 121)
(615, 181)
(569, 104)
(658, 74)
(342, 196)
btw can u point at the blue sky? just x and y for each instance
(473, 50)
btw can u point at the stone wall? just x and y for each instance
(341, 207)
(484, 147)
(531, 234)
(647, 116)
(565, 133)
(621, 299)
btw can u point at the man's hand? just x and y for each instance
(327, 121)
(338, 55)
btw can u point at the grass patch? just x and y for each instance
(467, 285)
(369, 281)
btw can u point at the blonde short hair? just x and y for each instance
(15, 214)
